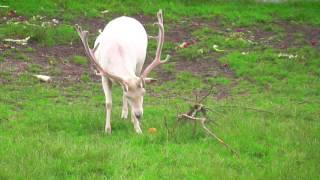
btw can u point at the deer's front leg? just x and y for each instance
(124, 113)
(136, 123)
(107, 85)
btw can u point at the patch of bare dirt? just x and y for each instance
(293, 35)
(210, 68)
(14, 67)
(91, 24)
(205, 68)
(181, 31)
(311, 35)
(94, 24)
(61, 55)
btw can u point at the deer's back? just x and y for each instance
(123, 39)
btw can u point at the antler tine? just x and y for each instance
(90, 53)
(157, 60)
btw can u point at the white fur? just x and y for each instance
(122, 47)
(122, 51)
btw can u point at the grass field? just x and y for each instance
(263, 60)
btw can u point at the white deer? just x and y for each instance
(119, 53)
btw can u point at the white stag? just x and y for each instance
(119, 53)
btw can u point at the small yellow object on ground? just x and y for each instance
(152, 130)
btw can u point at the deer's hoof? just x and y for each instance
(138, 130)
(108, 130)
(124, 115)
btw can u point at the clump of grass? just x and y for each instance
(273, 28)
(169, 67)
(266, 67)
(9, 52)
(29, 49)
(55, 71)
(52, 60)
(22, 56)
(34, 68)
(191, 53)
(218, 80)
(208, 37)
(49, 36)
(190, 83)
(85, 77)
(80, 60)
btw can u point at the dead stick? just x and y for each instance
(220, 140)
(202, 120)
(204, 97)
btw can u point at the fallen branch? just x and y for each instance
(202, 121)
(199, 109)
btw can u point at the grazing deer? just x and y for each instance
(119, 53)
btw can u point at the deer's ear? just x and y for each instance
(149, 80)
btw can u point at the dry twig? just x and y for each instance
(200, 109)
(203, 120)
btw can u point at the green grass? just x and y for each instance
(238, 12)
(34, 68)
(271, 117)
(16, 54)
(219, 80)
(169, 67)
(231, 13)
(48, 36)
(80, 60)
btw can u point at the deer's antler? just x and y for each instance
(157, 60)
(90, 53)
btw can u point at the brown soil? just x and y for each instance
(311, 35)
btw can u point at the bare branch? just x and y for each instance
(191, 115)
(209, 93)
(202, 121)
(219, 139)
